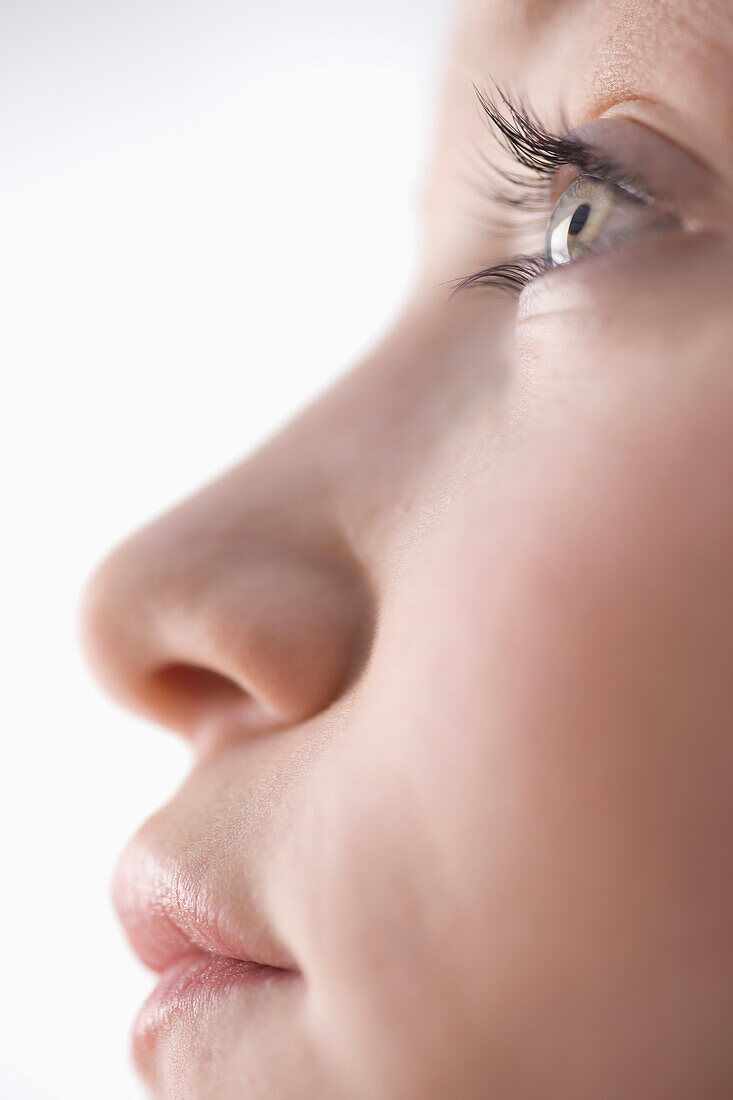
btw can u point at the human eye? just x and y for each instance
(593, 215)
(600, 209)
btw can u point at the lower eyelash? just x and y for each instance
(511, 276)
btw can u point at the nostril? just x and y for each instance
(182, 694)
(247, 646)
(193, 683)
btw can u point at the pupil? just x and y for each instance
(579, 218)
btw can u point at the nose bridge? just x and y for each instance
(366, 442)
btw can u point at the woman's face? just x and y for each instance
(454, 651)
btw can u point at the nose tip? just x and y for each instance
(179, 629)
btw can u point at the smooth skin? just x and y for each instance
(455, 649)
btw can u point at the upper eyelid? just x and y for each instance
(667, 126)
(543, 152)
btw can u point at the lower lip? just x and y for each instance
(190, 984)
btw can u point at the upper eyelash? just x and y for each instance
(534, 146)
(541, 152)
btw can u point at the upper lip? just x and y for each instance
(168, 911)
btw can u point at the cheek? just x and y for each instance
(394, 915)
(588, 671)
(523, 817)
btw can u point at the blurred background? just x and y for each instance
(207, 211)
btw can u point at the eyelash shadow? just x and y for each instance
(541, 152)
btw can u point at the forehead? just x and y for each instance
(586, 56)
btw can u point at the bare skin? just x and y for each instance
(454, 650)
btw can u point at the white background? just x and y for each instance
(207, 210)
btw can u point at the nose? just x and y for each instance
(244, 596)
(262, 591)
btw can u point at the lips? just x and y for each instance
(178, 927)
(169, 911)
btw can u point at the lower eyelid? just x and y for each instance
(588, 283)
